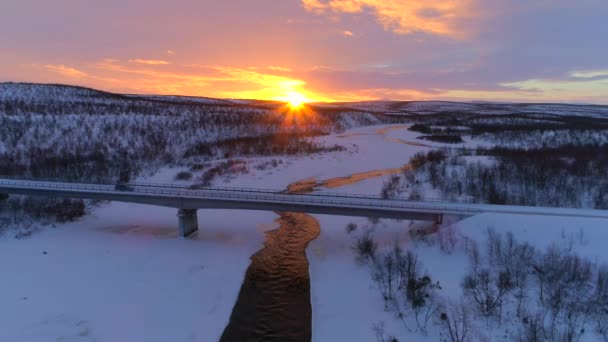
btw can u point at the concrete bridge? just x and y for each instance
(188, 201)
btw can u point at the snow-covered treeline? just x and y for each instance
(510, 289)
(77, 134)
(53, 131)
(564, 176)
(486, 126)
(534, 158)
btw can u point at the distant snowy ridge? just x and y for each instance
(39, 93)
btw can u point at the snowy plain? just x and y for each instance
(121, 273)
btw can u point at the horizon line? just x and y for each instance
(447, 100)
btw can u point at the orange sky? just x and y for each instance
(328, 50)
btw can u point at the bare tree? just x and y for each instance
(533, 328)
(365, 248)
(487, 290)
(405, 288)
(381, 335)
(456, 321)
(391, 188)
(505, 253)
(600, 302)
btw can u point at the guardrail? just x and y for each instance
(237, 189)
(346, 201)
(226, 193)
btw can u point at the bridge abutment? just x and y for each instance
(188, 222)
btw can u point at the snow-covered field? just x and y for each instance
(120, 274)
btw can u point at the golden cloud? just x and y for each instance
(270, 82)
(401, 16)
(65, 70)
(278, 68)
(148, 61)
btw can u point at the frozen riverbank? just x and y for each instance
(121, 273)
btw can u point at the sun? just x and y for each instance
(295, 99)
(295, 111)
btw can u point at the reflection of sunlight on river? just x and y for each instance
(274, 300)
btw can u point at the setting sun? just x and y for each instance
(295, 99)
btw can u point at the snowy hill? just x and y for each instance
(84, 278)
(436, 107)
(55, 93)
(48, 92)
(476, 108)
(50, 130)
(76, 133)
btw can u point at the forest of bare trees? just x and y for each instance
(563, 176)
(77, 134)
(549, 294)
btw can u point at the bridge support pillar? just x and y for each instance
(439, 219)
(188, 222)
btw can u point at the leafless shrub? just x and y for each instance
(505, 253)
(532, 328)
(385, 275)
(183, 176)
(232, 166)
(390, 188)
(381, 336)
(351, 227)
(456, 321)
(365, 248)
(404, 287)
(21, 208)
(574, 319)
(487, 290)
(268, 164)
(199, 166)
(568, 294)
(415, 194)
(409, 175)
(563, 280)
(600, 302)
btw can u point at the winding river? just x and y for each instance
(274, 300)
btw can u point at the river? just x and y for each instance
(274, 300)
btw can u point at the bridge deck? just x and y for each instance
(253, 199)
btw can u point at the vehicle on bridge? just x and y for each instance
(188, 201)
(123, 187)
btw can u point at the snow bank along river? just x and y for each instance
(120, 273)
(274, 301)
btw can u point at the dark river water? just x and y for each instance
(274, 300)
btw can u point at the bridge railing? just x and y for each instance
(351, 202)
(238, 189)
(271, 191)
(226, 193)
